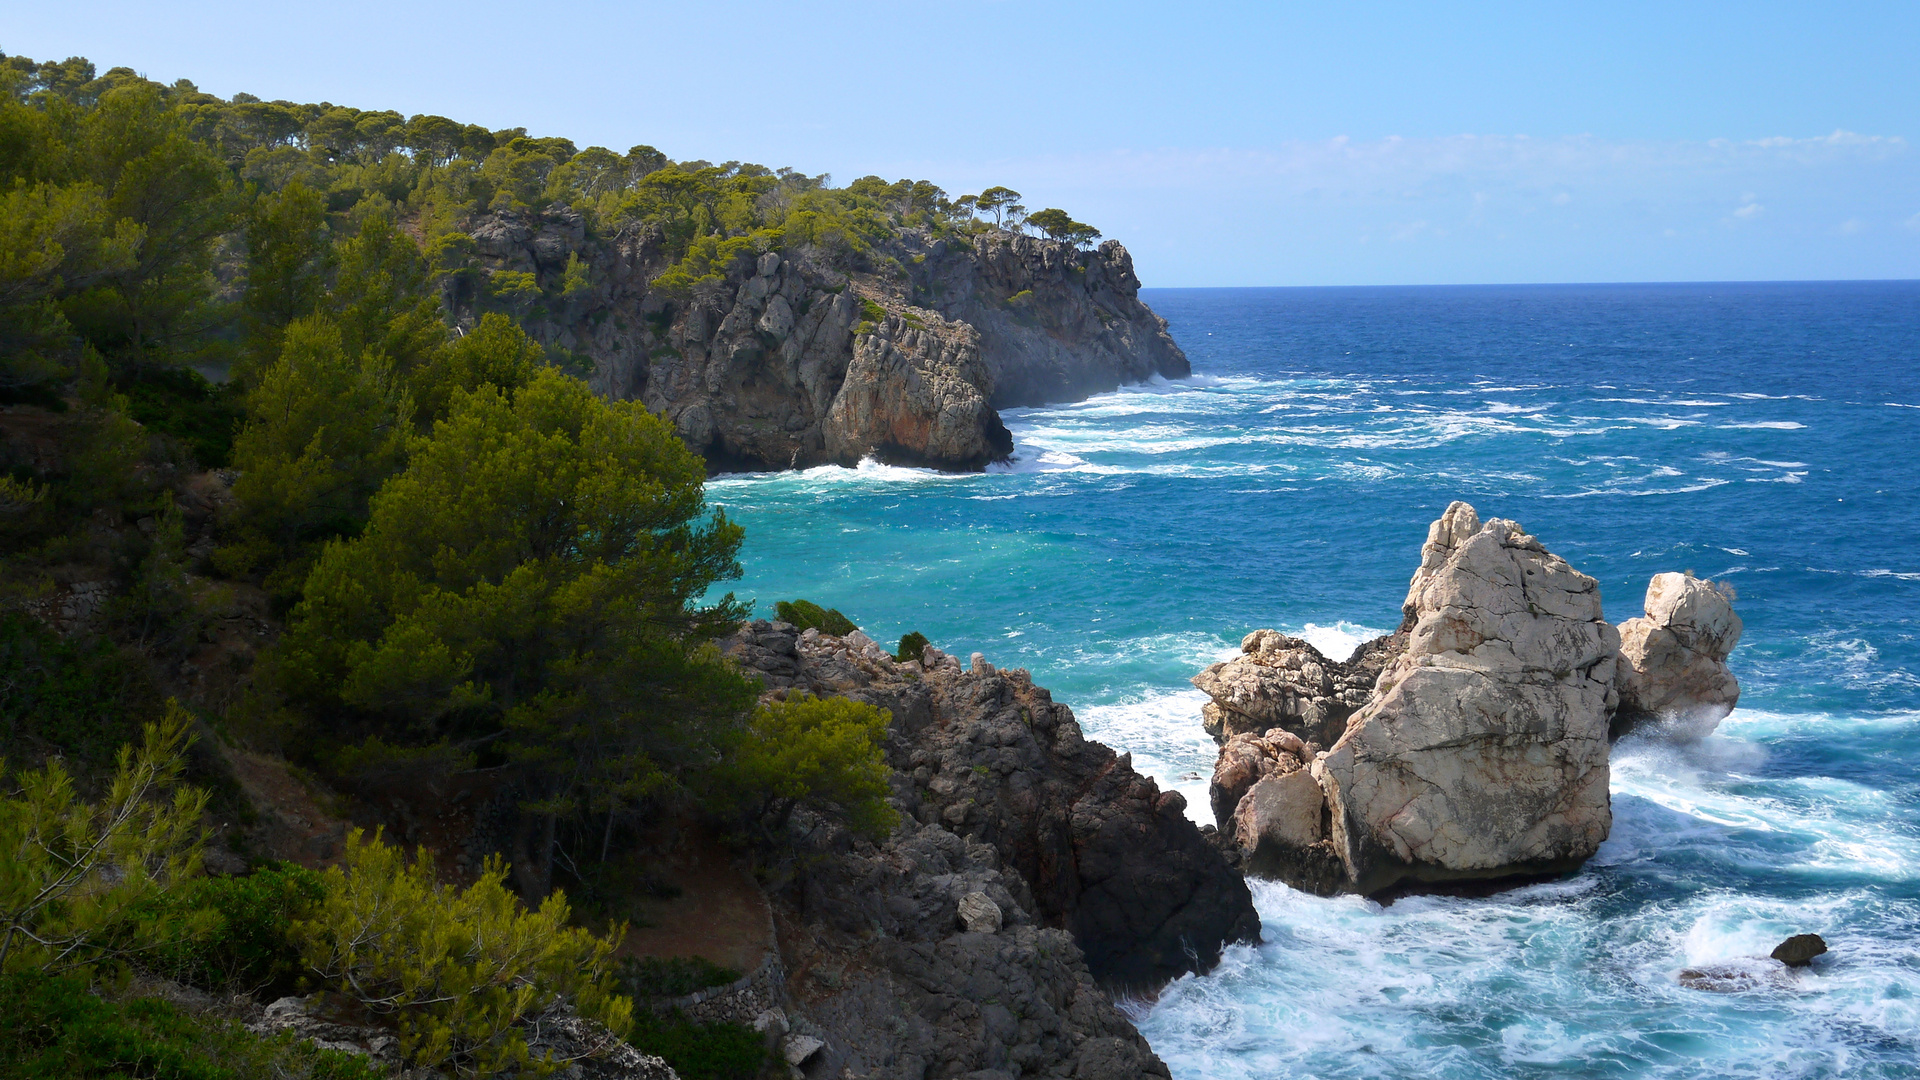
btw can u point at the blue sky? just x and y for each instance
(1224, 144)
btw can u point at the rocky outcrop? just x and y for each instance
(788, 359)
(580, 1049)
(1673, 660)
(1484, 753)
(914, 395)
(1479, 753)
(1095, 848)
(917, 958)
(1284, 682)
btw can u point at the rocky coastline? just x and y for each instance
(1034, 876)
(1471, 745)
(792, 359)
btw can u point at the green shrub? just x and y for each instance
(871, 311)
(81, 699)
(249, 948)
(181, 403)
(820, 753)
(701, 1051)
(54, 1028)
(671, 976)
(81, 883)
(456, 968)
(911, 647)
(807, 615)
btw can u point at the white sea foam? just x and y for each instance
(1766, 425)
(1565, 975)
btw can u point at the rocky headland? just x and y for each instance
(792, 359)
(1035, 873)
(1472, 744)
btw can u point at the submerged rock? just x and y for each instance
(1673, 660)
(1799, 950)
(1736, 976)
(1284, 682)
(1483, 754)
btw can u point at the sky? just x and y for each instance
(1224, 143)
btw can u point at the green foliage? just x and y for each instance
(820, 753)
(911, 646)
(83, 699)
(496, 352)
(55, 1028)
(455, 968)
(180, 402)
(289, 257)
(807, 615)
(871, 311)
(78, 879)
(327, 426)
(248, 947)
(537, 570)
(1058, 225)
(670, 977)
(701, 1051)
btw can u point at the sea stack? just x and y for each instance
(1673, 660)
(1481, 753)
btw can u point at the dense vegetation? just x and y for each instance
(456, 554)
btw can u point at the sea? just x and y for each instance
(1766, 435)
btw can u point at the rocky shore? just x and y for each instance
(1036, 874)
(791, 360)
(1472, 744)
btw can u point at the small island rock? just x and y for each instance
(1673, 660)
(1799, 950)
(1483, 754)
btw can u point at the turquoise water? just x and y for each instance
(1767, 434)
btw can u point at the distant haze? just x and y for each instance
(1225, 144)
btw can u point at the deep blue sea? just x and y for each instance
(1767, 434)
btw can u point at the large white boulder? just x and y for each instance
(1673, 660)
(1483, 753)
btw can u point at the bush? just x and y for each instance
(181, 403)
(456, 968)
(670, 977)
(80, 883)
(807, 615)
(911, 646)
(820, 753)
(701, 1051)
(83, 700)
(249, 948)
(54, 1028)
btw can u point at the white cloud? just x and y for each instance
(1748, 211)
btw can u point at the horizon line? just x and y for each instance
(1556, 284)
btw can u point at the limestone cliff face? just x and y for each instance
(790, 360)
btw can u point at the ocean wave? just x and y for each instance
(1765, 425)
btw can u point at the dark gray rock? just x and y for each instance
(1799, 950)
(987, 754)
(784, 362)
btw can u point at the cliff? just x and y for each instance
(1033, 867)
(800, 358)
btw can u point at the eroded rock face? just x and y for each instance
(1484, 753)
(1673, 660)
(1096, 848)
(900, 971)
(917, 395)
(1284, 682)
(798, 358)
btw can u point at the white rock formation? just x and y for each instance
(1483, 753)
(1673, 668)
